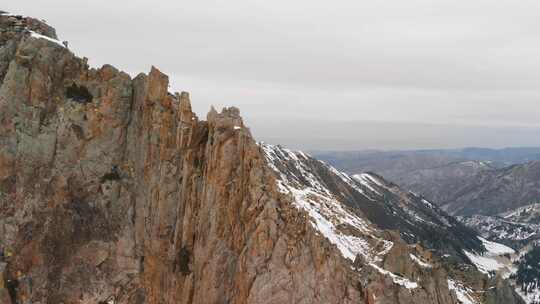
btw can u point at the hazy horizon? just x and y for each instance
(351, 76)
(308, 135)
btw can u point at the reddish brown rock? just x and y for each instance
(113, 191)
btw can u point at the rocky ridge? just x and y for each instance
(113, 191)
(352, 212)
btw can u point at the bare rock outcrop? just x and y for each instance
(113, 191)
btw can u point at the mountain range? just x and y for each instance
(459, 185)
(112, 190)
(520, 229)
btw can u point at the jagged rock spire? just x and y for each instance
(158, 84)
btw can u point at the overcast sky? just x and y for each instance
(330, 74)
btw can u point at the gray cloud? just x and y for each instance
(454, 65)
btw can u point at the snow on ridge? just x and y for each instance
(4, 13)
(39, 36)
(397, 279)
(426, 202)
(463, 293)
(327, 214)
(373, 179)
(34, 34)
(349, 181)
(274, 153)
(369, 185)
(418, 261)
(367, 180)
(364, 179)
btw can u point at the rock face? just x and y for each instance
(113, 191)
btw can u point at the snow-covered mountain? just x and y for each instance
(372, 197)
(356, 213)
(520, 229)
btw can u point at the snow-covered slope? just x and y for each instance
(496, 258)
(332, 199)
(518, 228)
(373, 199)
(354, 213)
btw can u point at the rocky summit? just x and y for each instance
(113, 191)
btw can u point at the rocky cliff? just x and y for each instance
(113, 191)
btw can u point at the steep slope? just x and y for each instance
(518, 228)
(386, 206)
(383, 203)
(113, 191)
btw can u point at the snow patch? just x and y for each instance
(427, 203)
(350, 181)
(352, 235)
(4, 13)
(397, 279)
(39, 36)
(367, 180)
(418, 261)
(484, 264)
(463, 293)
(327, 214)
(495, 249)
(488, 261)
